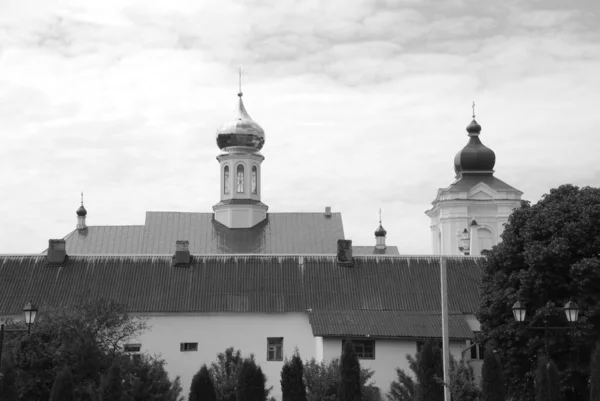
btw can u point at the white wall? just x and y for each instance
(389, 354)
(215, 332)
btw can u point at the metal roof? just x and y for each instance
(267, 284)
(387, 324)
(280, 233)
(468, 181)
(371, 250)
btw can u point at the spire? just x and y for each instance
(240, 94)
(380, 234)
(473, 128)
(81, 214)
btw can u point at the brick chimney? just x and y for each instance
(182, 253)
(327, 211)
(57, 253)
(344, 252)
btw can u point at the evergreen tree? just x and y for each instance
(595, 374)
(250, 382)
(429, 371)
(350, 388)
(541, 379)
(202, 388)
(492, 378)
(62, 390)
(111, 388)
(292, 379)
(553, 381)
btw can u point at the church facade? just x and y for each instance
(267, 283)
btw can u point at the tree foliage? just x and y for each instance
(547, 380)
(349, 388)
(62, 390)
(322, 381)
(202, 387)
(595, 374)
(492, 377)
(548, 255)
(429, 367)
(251, 382)
(111, 384)
(292, 379)
(224, 373)
(88, 337)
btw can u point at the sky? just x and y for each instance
(364, 105)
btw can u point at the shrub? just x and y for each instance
(202, 387)
(292, 379)
(349, 388)
(62, 390)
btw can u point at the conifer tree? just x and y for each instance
(595, 374)
(292, 379)
(492, 378)
(202, 388)
(111, 388)
(553, 381)
(62, 389)
(250, 382)
(429, 371)
(350, 388)
(541, 379)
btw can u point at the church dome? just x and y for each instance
(475, 157)
(81, 212)
(380, 232)
(241, 131)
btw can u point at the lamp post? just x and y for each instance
(30, 311)
(571, 312)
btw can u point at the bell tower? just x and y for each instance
(240, 141)
(469, 216)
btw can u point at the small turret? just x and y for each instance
(81, 214)
(380, 234)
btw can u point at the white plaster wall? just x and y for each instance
(389, 354)
(217, 331)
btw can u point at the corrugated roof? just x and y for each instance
(371, 250)
(386, 324)
(280, 233)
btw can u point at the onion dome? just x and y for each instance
(241, 131)
(475, 157)
(380, 232)
(81, 212)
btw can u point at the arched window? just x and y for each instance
(486, 240)
(226, 179)
(254, 180)
(240, 178)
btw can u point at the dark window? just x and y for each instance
(226, 179)
(275, 349)
(183, 347)
(254, 180)
(132, 347)
(477, 352)
(240, 178)
(365, 349)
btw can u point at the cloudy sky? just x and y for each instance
(364, 104)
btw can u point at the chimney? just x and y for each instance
(182, 253)
(57, 253)
(473, 227)
(327, 211)
(344, 252)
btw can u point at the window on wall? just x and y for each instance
(477, 352)
(132, 347)
(365, 349)
(226, 180)
(254, 180)
(485, 239)
(240, 178)
(275, 349)
(185, 347)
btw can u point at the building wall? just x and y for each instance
(389, 354)
(215, 332)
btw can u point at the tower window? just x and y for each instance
(254, 180)
(226, 180)
(240, 178)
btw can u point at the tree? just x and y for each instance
(463, 386)
(492, 378)
(595, 374)
(224, 373)
(349, 389)
(62, 390)
(322, 381)
(404, 388)
(548, 256)
(292, 379)
(251, 382)
(202, 388)
(429, 367)
(111, 386)
(145, 378)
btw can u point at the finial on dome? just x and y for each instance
(380, 232)
(473, 128)
(240, 94)
(81, 212)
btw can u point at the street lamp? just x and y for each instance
(30, 311)
(572, 311)
(519, 311)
